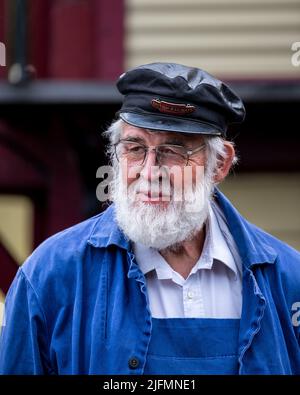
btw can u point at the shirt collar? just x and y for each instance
(253, 245)
(150, 259)
(217, 249)
(106, 231)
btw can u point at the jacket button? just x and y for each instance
(133, 363)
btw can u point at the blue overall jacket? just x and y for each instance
(79, 304)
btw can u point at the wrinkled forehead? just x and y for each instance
(159, 137)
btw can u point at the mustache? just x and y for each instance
(151, 189)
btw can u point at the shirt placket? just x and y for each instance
(193, 302)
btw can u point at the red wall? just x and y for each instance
(75, 40)
(80, 39)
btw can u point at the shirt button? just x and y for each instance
(133, 363)
(190, 294)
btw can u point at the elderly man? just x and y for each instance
(170, 279)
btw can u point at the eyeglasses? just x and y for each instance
(166, 154)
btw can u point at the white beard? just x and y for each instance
(160, 227)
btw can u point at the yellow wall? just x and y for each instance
(228, 38)
(270, 201)
(16, 229)
(16, 225)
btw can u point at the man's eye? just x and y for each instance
(170, 151)
(135, 149)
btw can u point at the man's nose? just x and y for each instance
(151, 169)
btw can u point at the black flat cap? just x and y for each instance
(173, 97)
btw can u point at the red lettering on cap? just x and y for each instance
(172, 108)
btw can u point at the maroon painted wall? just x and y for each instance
(80, 39)
(41, 157)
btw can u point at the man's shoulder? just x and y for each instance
(254, 240)
(63, 250)
(282, 249)
(286, 266)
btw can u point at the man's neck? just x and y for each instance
(183, 258)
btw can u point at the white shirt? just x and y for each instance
(213, 288)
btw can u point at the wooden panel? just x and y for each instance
(211, 3)
(38, 31)
(230, 66)
(70, 55)
(86, 39)
(213, 42)
(229, 38)
(108, 39)
(176, 19)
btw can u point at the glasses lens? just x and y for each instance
(171, 155)
(133, 152)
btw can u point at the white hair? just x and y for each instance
(215, 150)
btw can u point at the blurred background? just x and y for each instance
(57, 95)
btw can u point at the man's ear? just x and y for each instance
(226, 163)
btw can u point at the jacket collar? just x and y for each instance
(106, 231)
(252, 242)
(252, 247)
